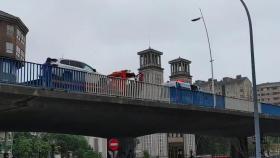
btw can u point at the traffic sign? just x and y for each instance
(113, 144)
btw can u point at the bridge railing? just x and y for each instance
(51, 77)
(100, 84)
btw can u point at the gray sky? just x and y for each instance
(107, 34)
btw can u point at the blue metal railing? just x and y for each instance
(51, 77)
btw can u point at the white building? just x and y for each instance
(154, 144)
(8, 143)
(98, 145)
(269, 93)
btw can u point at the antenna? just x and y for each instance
(149, 41)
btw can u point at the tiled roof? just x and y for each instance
(150, 50)
(178, 60)
(8, 17)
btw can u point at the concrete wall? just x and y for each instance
(241, 105)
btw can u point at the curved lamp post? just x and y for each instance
(210, 51)
(256, 110)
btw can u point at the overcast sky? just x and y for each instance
(107, 34)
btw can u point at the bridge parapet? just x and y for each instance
(52, 77)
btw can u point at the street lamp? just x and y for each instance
(210, 51)
(256, 110)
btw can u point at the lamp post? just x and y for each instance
(210, 51)
(256, 110)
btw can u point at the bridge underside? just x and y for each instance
(32, 109)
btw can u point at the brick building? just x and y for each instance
(12, 36)
(12, 44)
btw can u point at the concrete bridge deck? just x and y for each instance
(36, 109)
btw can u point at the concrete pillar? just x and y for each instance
(239, 148)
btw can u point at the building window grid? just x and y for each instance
(20, 36)
(10, 30)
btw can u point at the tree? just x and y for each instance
(41, 147)
(27, 145)
(23, 147)
(146, 154)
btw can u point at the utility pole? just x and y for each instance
(211, 57)
(256, 110)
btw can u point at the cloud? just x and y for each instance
(107, 33)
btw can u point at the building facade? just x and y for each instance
(180, 70)
(12, 46)
(98, 145)
(180, 145)
(12, 36)
(150, 67)
(269, 93)
(239, 87)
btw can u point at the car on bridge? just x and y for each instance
(62, 72)
(70, 65)
(181, 84)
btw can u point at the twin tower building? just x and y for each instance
(150, 67)
(162, 145)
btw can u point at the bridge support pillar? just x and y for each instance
(239, 148)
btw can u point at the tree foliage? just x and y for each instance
(43, 144)
(146, 154)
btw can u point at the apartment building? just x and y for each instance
(239, 87)
(269, 93)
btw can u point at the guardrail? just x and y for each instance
(51, 77)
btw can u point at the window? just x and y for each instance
(22, 55)
(17, 52)
(22, 39)
(141, 60)
(77, 64)
(6, 67)
(9, 47)
(66, 62)
(20, 36)
(90, 69)
(10, 30)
